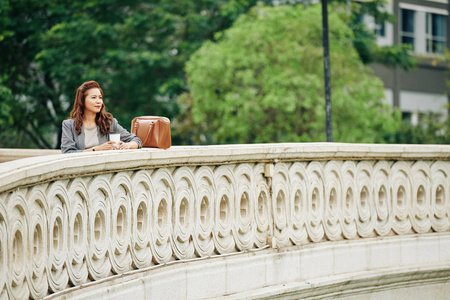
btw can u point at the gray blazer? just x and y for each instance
(72, 142)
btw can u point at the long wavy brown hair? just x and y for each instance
(103, 119)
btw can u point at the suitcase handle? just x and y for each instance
(136, 125)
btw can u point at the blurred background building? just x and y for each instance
(425, 26)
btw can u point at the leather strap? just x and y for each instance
(148, 132)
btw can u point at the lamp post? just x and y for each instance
(326, 66)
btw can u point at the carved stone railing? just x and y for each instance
(66, 220)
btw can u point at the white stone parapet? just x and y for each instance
(67, 220)
(13, 154)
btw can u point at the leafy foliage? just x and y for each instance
(263, 82)
(135, 49)
(365, 40)
(430, 130)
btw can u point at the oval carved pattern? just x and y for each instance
(68, 232)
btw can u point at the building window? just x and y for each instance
(435, 33)
(406, 116)
(380, 29)
(407, 27)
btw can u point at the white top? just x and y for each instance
(90, 137)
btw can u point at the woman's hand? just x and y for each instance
(115, 146)
(130, 145)
(107, 146)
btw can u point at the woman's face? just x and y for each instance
(93, 101)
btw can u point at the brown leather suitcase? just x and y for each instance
(153, 131)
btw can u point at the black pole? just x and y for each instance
(326, 66)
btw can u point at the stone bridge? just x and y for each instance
(262, 221)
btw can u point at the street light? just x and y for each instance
(326, 66)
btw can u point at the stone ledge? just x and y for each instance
(15, 154)
(359, 285)
(33, 170)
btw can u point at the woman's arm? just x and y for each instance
(68, 144)
(130, 140)
(103, 147)
(129, 145)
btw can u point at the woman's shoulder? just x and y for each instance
(68, 121)
(114, 122)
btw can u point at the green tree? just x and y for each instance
(263, 82)
(431, 129)
(135, 49)
(364, 38)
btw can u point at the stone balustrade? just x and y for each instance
(13, 154)
(66, 220)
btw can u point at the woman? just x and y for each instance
(89, 125)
